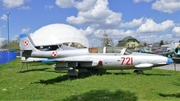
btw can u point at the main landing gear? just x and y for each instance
(72, 73)
(138, 71)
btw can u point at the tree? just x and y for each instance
(14, 44)
(161, 43)
(121, 44)
(145, 44)
(4, 44)
(106, 40)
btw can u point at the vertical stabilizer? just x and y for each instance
(26, 43)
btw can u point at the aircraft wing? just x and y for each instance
(81, 60)
(75, 59)
(90, 62)
(58, 60)
(30, 59)
(65, 60)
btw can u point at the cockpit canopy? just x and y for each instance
(110, 50)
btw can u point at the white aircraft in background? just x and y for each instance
(91, 60)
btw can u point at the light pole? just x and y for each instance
(8, 39)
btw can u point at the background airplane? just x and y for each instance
(177, 51)
(171, 50)
(86, 60)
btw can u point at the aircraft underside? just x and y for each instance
(73, 71)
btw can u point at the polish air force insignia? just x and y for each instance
(54, 54)
(26, 43)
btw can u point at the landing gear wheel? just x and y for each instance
(72, 73)
(138, 71)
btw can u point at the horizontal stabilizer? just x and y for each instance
(143, 65)
(31, 59)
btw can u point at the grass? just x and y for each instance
(41, 82)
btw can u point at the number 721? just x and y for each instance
(127, 60)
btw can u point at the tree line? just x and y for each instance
(13, 45)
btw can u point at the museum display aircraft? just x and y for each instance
(170, 50)
(177, 51)
(90, 59)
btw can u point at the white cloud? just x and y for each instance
(16, 37)
(13, 3)
(133, 23)
(98, 16)
(24, 8)
(65, 3)
(95, 42)
(176, 31)
(88, 31)
(4, 17)
(1, 40)
(152, 27)
(117, 35)
(114, 33)
(168, 37)
(167, 6)
(148, 38)
(25, 30)
(136, 1)
(155, 38)
(49, 7)
(1, 30)
(85, 5)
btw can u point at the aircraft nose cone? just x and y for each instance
(170, 61)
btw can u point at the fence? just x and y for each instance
(4, 56)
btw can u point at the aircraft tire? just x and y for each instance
(138, 71)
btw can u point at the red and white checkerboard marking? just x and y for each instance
(54, 54)
(26, 43)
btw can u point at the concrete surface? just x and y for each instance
(171, 67)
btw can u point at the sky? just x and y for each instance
(146, 20)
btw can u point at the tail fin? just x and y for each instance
(26, 46)
(26, 43)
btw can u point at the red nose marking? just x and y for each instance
(100, 63)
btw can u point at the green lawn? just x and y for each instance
(41, 82)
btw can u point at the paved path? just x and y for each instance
(171, 67)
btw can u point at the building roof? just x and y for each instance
(125, 39)
(58, 33)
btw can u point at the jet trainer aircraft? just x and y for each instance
(88, 60)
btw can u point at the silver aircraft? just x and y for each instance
(90, 59)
